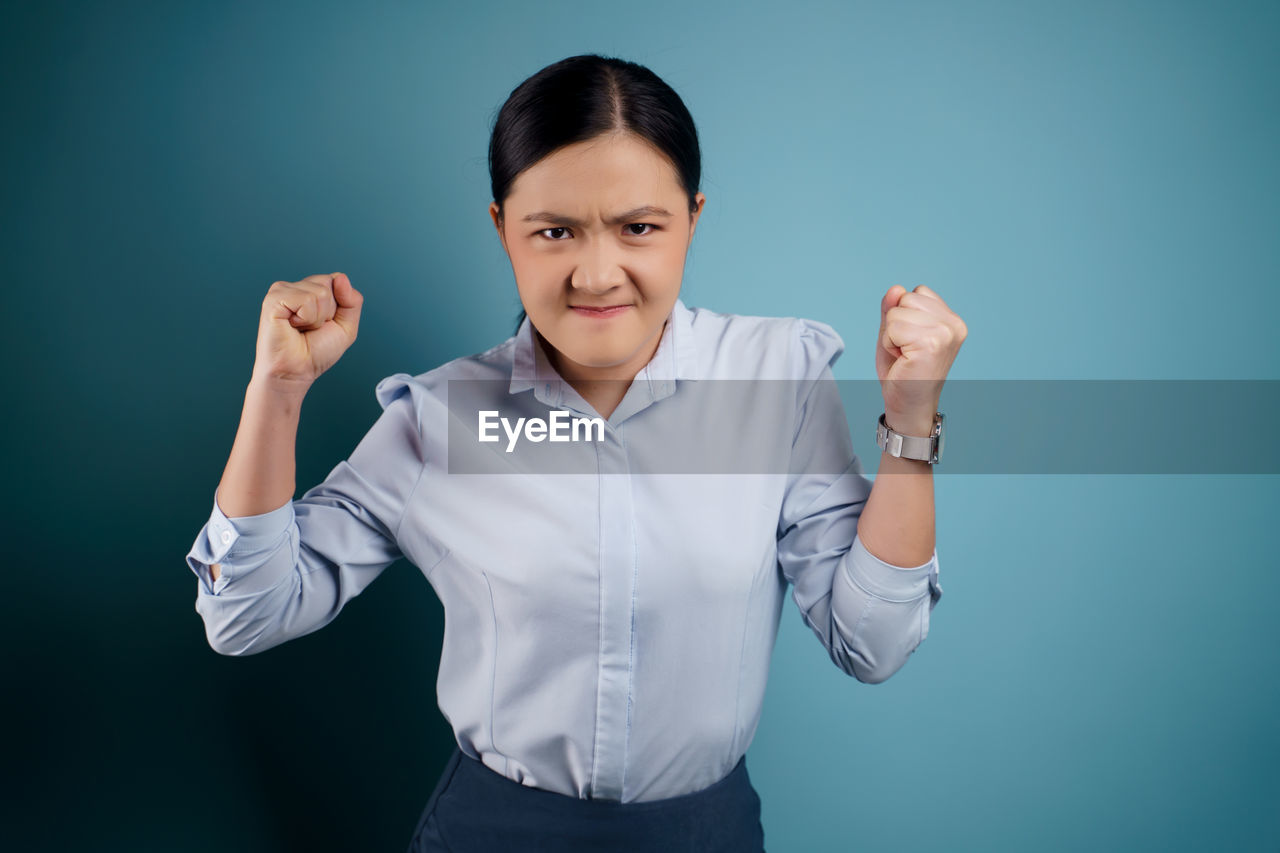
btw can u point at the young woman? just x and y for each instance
(611, 600)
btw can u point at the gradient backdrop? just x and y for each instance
(1092, 186)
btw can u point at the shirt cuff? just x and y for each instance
(887, 581)
(227, 541)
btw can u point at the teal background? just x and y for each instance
(1092, 186)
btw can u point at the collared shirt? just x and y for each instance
(609, 623)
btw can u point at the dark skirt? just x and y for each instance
(476, 810)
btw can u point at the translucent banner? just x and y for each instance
(1002, 426)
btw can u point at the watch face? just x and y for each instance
(942, 434)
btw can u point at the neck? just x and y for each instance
(602, 387)
(625, 371)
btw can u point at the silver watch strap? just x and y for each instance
(921, 448)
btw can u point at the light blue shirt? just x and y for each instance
(608, 629)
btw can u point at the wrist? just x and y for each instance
(274, 388)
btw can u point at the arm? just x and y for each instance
(869, 613)
(288, 571)
(897, 524)
(260, 474)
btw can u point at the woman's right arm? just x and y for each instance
(260, 475)
(304, 327)
(271, 568)
(288, 570)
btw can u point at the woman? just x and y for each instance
(609, 616)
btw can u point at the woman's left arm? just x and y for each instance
(919, 339)
(897, 524)
(861, 555)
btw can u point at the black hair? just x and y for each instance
(580, 98)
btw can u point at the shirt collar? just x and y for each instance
(675, 358)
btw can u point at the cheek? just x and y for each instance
(661, 271)
(671, 256)
(535, 272)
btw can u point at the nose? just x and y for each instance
(598, 270)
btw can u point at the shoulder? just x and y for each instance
(751, 346)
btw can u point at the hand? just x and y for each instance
(919, 339)
(305, 328)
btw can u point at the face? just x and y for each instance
(580, 239)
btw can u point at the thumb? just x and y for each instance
(348, 298)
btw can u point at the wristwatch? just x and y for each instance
(924, 448)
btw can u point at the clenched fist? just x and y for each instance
(305, 328)
(919, 338)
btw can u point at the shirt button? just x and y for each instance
(226, 536)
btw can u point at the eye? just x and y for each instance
(651, 228)
(549, 230)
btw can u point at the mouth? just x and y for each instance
(599, 312)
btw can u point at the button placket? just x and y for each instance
(616, 579)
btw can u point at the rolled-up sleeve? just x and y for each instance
(870, 615)
(288, 572)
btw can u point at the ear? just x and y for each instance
(699, 200)
(495, 215)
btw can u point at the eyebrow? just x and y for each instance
(625, 216)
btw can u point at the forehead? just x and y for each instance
(608, 169)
